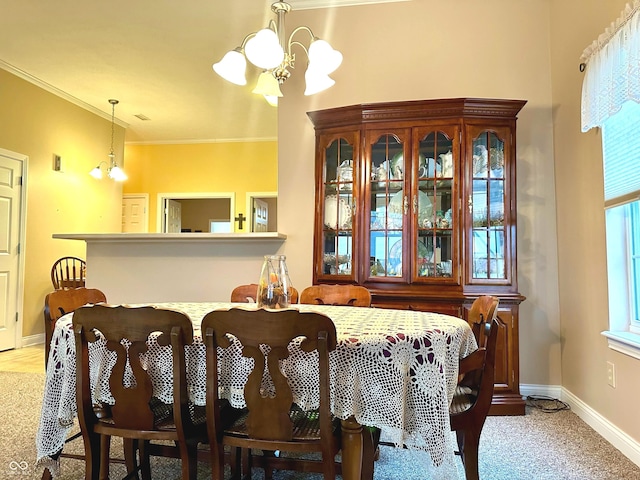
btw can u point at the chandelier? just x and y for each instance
(113, 170)
(269, 50)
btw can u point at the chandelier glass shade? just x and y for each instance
(269, 50)
(114, 172)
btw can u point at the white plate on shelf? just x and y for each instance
(425, 209)
(337, 213)
(395, 252)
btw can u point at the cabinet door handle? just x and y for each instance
(470, 204)
(406, 204)
(415, 204)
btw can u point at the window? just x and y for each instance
(610, 97)
(621, 153)
(220, 226)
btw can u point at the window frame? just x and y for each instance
(624, 316)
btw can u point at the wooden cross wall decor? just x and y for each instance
(240, 219)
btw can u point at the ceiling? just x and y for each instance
(153, 56)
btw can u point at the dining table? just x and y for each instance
(396, 370)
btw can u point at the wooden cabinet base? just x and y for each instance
(507, 404)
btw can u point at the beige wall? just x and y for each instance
(238, 167)
(196, 213)
(407, 51)
(581, 235)
(432, 49)
(38, 124)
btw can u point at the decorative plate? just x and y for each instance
(425, 209)
(337, 213)
(395, 252)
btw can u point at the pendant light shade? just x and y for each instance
(270, 50)
(322, 55)
(316, 81)
(264, 50)
(232, 67)
(267, 85)
(113, 170)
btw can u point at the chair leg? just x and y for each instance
(188, 458)
(329, 469)
(46, 474)
(91, 455)
(245, 454)
(145, 461)
(371, 452)
(469, 451)
(130, 446)
(268, 471)
(105, 450)
(236, 465)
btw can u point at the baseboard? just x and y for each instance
(553, 391)
(32, 340)
(616, 437)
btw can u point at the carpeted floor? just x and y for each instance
(540, 446)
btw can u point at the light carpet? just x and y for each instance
(540, 446)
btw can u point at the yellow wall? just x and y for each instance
(208, 167)
(36, 123)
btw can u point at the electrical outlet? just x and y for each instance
(611, 374)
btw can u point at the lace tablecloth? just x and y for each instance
(392, 369)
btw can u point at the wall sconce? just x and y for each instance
(113, 170)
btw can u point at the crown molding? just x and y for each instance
(59, 93)
(311, 4)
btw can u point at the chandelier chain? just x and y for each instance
(113, 115)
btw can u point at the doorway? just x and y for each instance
(263, 211)
(13, 171)
(135, 213)
(193, 212)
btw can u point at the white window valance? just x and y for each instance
(612, 69)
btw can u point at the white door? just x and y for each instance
(260, 222)
(173, 216)
(11, 213)
(134, 213)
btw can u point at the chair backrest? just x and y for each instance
(481, 386)
(68, 272)
(483, 310)
(59, 302)
(352, 295)
(268, 416)
(248, 294)
(139, 326)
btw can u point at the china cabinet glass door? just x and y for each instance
(338, 204)
(488, 208)
(388, 205)
(434, 205)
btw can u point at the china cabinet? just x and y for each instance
(416, 201)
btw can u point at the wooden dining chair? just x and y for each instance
(248, 294)
(136, 415)
(59, 302)
(271, 423)
(474, 392)
(352, 295)
(68, 272)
